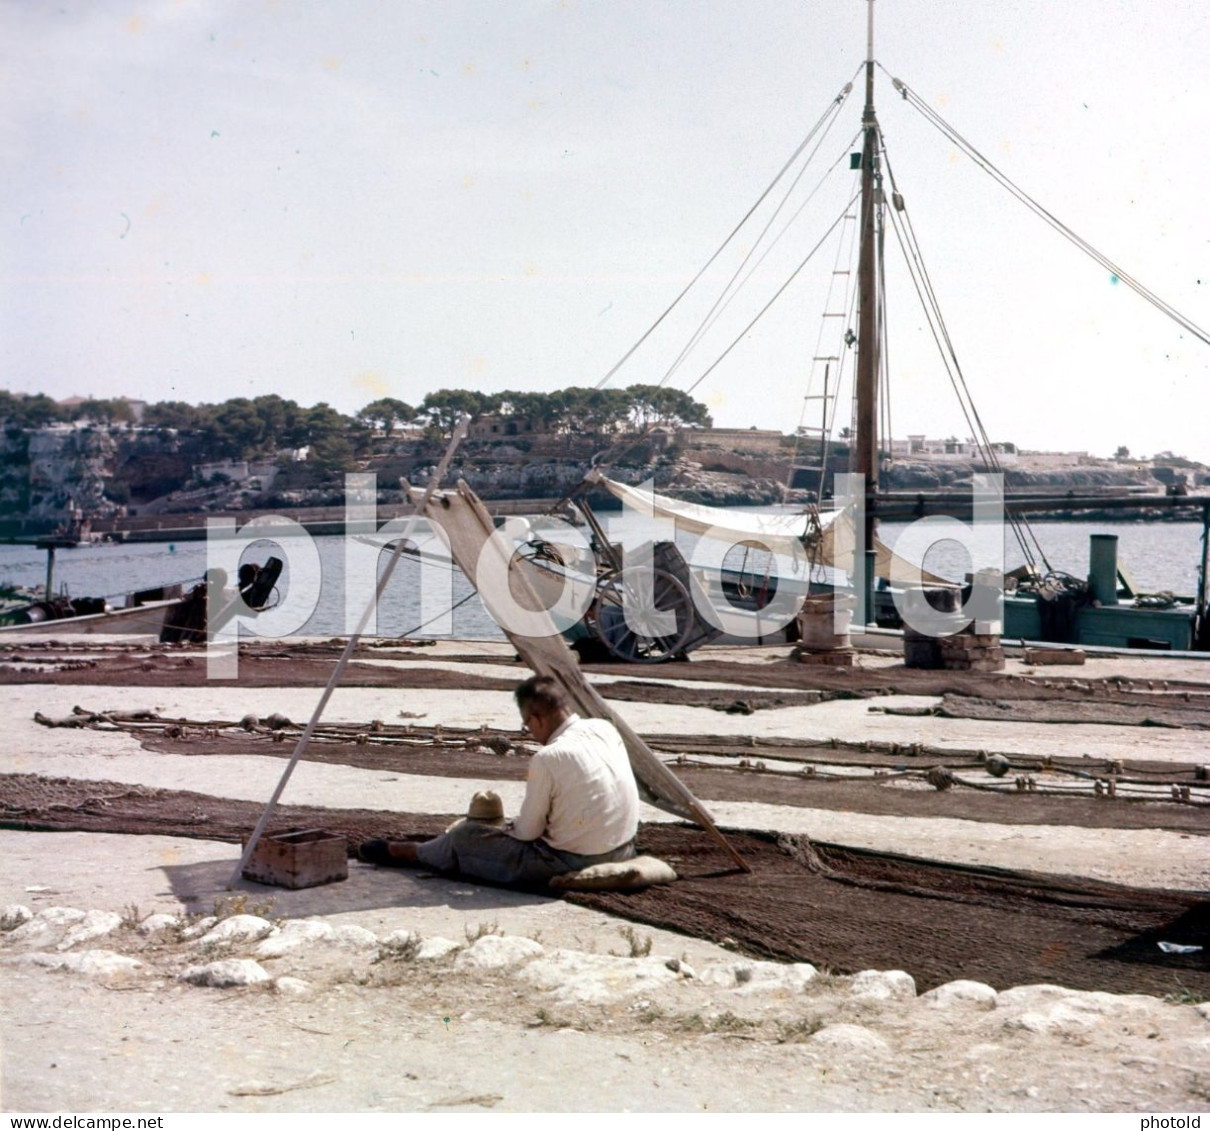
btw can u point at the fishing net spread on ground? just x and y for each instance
(840, 908)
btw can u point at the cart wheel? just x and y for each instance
(645, 594)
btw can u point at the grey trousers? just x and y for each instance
(486, 852)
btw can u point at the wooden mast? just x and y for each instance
(863, 458)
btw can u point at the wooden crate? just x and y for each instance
(303, 858)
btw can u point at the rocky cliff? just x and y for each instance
(48, 474)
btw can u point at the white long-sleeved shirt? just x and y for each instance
(581, 795)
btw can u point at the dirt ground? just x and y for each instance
(1026, 919)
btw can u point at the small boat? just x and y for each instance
(176, 613)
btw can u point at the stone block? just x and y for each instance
(838, 658)
(1047, 656)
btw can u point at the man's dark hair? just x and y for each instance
(543, 693)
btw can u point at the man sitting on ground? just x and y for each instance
(581, 804)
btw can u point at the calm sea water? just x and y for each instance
(1160, 555)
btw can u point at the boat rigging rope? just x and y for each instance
(720, 305)
(732, 288)
(905, 233)
(951, 134)
(831, 111)
(777, 294)
(846, 250)
(884, 354)
(830, 418)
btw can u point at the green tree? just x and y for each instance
(280, 419)
(21, 410)
(1123, 452)
(235, 430)
(537, 410)
(179, 415)
(322, 422)
(103, 411)
(674, 407)
(643, 410)
(387, 413)
(593, 411)
(334, 452)
(657, 404)
(443, 407)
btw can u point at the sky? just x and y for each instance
(341, 201)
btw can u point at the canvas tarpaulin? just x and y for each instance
(823, 537)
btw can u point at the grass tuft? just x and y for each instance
(639, 947)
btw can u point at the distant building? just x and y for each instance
(495, 425)
(919, 446)
(255, 475)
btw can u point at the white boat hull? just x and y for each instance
(143, 620)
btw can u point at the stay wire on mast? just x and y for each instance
(1031, 547)
(928, 299)
(845, 249)
(731, 288)
(777, 294)
(914, 259)
(1005, 182)
(832, 109)
(714, 316)
(884, 358)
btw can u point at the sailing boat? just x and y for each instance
(1048, 605)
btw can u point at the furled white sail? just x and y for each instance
(781, 533)
(826, 537)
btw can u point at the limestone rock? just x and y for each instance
(849, 1038)
(91, 963)
(293, 934)
(883, 985)
(1022, 997)
(1061, 1018)
(750, 977)
(199, 928)
(237, 929)
(153, 924)
(292, 987)
(13, 916)
(398, 940)
(572, 976)
(48, 921)
(1077, 1011)
(430, 950)
(961, 993)
(94, 925)
(352, 937)
(227, 972)
(492, 952)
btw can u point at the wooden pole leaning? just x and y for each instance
(473, 544)
(460, 430)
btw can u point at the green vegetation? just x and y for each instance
(639, 947)
(474, 934)
(574, 411)
(247, 428)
